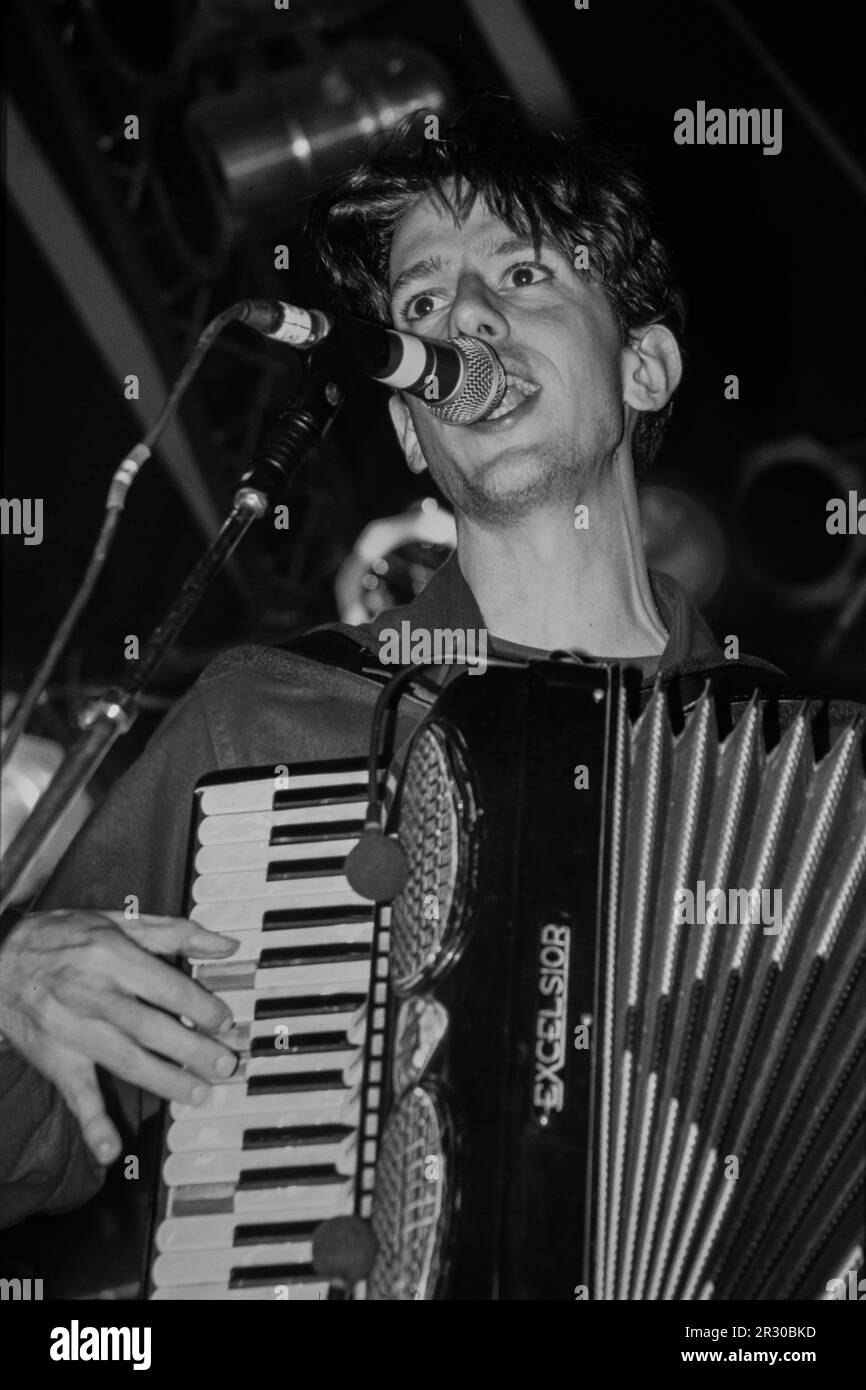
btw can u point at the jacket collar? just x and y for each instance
(448, 602)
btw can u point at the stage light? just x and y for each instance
(273, 144)
(684, 539)
(781, 513)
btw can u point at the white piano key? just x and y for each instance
(344, 931)
(258, 825)
(226, 1165)
(289, 1064)
(249, 886)
(259, 793)
(197, 1267)
(251, 855)
(329, 1106)
(253, 942)
(207, 1232)
(242, 1003)
(233, 917)
(298, 1201)
(293, 1063)
(222, 1132)
(352, 1022)
(305, 979)
(296, 1291)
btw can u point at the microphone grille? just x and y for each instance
(483, 387)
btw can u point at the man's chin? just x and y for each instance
(509, 482)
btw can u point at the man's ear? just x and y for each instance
(651, 368)
(405, 431)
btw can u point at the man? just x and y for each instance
(547, 255)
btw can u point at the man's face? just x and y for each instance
(551, 328)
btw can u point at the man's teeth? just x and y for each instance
(518, 389)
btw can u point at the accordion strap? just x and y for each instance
(334, 648)
(737, 682)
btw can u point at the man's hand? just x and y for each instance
(80, 988)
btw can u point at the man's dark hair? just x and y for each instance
(542, 186)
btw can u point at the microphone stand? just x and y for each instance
(299, 425)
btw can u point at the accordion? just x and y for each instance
(607, 1042)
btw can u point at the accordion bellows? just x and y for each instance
(614, 1036)
(718, 902)
(730, 1155)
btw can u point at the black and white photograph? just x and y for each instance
(433, 860)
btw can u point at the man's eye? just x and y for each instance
(527, 273)
(420, 305)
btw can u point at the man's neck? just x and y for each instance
(550, 584)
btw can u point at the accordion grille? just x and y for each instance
(730, 1099)
(411, 1194)
(426, 915)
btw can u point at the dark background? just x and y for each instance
(769, 251)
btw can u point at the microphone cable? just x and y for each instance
(376, 867)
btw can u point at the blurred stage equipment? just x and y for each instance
(274, 143)
(392, 560)
(682, 538)
(25, 777)
(536, 79)
(781, 511)
(294, 434)
(142, 43)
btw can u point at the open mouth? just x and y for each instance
(520, 389)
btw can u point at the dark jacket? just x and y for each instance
(254, 706)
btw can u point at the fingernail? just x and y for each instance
(105, 1151)
(225, 1065)
(210, 941)
(199, 1094)
(227, 1024)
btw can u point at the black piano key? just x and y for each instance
(298, 1043)
(316, 1175)
(283, 870)
(281, 918)
(273, 1233)
(296, 1081)
(273, 1274)
(312, 832)
(332, 952)
(296, 1134)
(288, 797)
(292, 1006)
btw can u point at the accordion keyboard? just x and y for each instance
(249, 1174)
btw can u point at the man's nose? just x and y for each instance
(475, 311)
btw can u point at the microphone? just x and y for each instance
(377, 867)
(461, 381)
